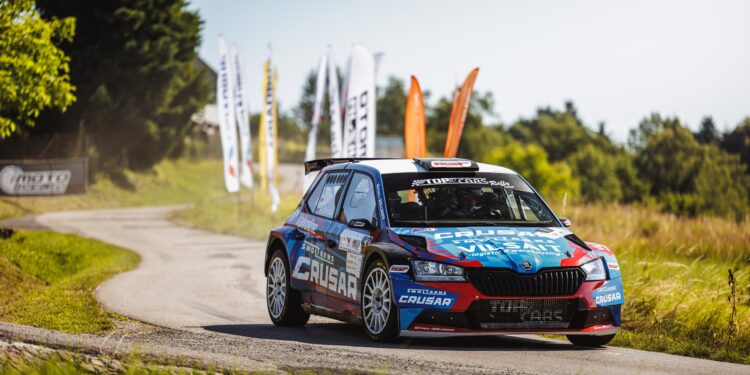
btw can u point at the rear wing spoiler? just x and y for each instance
(316, 165)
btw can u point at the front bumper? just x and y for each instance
(430, 309)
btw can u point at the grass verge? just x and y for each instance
(48, 278)
(252, 218)
(169, 182)
(675, 273)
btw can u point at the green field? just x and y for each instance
(48, 278)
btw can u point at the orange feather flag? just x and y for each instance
(458, 115)
(415, 136)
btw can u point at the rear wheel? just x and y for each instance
(590, 341)
(284, 303)
(378, 308)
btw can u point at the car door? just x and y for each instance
(348, 254)
(315, 254)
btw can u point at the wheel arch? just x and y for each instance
(276, 241)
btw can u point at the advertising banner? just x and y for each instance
(334, 102)
(242, 111)
(320, 82)
(359, 120)
(43, 177)
(227, 127)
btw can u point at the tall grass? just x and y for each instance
(675, 273)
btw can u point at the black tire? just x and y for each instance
(380, 332)
(288, 311)
(590, 341)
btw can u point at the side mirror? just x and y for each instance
(566, 222)
(361, 224)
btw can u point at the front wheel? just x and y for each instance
(378, 307)
(284, 303)
(590, 341)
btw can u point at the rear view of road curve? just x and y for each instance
(197, 281)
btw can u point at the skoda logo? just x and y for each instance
(526, 265)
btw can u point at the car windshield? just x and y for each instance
(463, 199)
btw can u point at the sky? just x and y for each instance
(618, 61)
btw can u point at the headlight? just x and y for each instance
(425, 270)
(595, 270)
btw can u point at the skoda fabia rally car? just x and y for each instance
(437, 247)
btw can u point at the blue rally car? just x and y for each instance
(437, 247)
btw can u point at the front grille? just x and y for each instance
(551, 282)
(550, 313)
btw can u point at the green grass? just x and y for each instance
(48, 278)
(675, 273)
(253, 218)
(170, 182)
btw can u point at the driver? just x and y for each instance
(468, 202)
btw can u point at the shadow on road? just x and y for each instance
(346, 334)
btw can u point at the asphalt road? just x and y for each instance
(210, 284)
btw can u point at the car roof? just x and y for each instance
(388, 166)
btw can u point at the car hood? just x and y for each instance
(523, 249)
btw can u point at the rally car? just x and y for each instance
(437, 247)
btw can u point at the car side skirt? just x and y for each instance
(435, 332)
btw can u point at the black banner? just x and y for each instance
(43, 177)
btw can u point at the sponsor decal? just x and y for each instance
(609, 293)
(552, 233)
(353, 241)
(450, 163)
(613, 266)
(305, 223)
(16, 181)
(526, 311)
(459, 181)
(433, 329)
(607, 298)
(314, 251)
(354, 264)
(400, 268)
(320, 273)
(415, 297)
(379, 199)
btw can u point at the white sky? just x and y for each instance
(617, 60)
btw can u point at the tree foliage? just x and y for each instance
(33, 69)
(553, 180)
(134, 64)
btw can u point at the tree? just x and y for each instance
(707, 134)
(391, 107)
(598, 172)
(738, 142)
(690, 178)
(133, 63)
(560, 133)
(33, 70)
(553, 180)
(670, 160)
